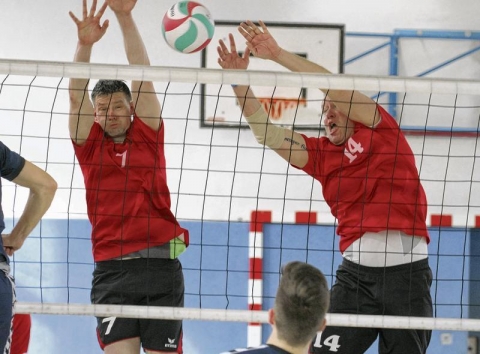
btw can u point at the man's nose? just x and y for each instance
(329, 114)
(110, 114)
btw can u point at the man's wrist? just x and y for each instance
(277, 54)
(123, 16)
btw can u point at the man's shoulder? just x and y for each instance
(141, 127)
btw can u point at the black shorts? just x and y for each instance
(402, 290)
(145, 282)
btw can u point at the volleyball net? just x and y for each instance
(247, 210)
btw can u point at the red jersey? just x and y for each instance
(128, 201)
(371, 182)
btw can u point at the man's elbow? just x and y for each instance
(49, 187)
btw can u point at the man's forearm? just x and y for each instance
(246, 100)
(83, 53)
(77, 86)
(37, 205)
(133, 42)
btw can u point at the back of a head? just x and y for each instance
(109, 87)
(301, 303)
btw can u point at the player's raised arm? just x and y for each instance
(262, 44)
(90, 31)
(144, 97)
(285, 142)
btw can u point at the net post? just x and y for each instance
(255, 276)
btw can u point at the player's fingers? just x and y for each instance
(244, 33)
(250, 23)
(233, 47)
(102, 10)
(74, 18)
(221, 56)
(84, 8)
(105, 26)
(93, 9)
(223, 47)
(247, 28)
(246, 54)
(253, 29)
(264, 27)
(256, 30)
(243, 27)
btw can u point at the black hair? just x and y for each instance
(109, 87)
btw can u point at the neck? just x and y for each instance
(274, 340)
(118, 139)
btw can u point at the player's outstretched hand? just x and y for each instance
(229, 58)
(259, 40)
(89, 28)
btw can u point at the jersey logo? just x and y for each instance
(352, 149)
(171, 343)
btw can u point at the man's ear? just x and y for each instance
(95, 116)
(322, 325)
(132, 109)
(271, 316)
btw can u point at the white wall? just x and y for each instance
(43, 29)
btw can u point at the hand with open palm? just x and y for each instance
(229, 58)
(89, 28)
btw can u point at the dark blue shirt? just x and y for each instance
(11, 164)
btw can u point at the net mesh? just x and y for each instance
(218, 176)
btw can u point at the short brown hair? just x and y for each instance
(301, 303)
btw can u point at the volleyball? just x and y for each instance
(188, 27)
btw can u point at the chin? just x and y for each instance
(337, 142)
(116, 134)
